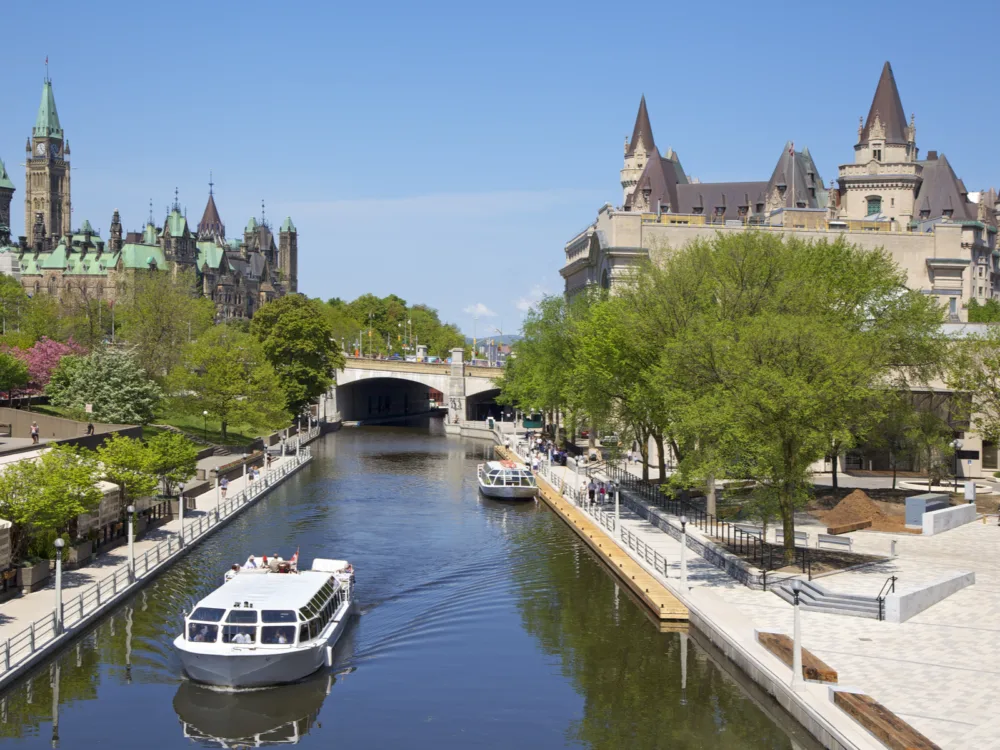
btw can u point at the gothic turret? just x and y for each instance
(47, 174)
(6, 195)
(288, 255)
(115, 239)
(211, 225)
(638, 151)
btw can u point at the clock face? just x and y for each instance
(40, 149)
(54, 149)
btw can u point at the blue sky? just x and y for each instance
(446, 151)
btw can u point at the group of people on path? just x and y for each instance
(600, 491)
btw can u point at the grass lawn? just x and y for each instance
(235, 434)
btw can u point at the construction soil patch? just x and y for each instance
(858, 506)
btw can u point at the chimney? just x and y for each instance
(932, 156)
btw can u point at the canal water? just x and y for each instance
(482, 625)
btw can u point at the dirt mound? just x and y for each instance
(855, 508)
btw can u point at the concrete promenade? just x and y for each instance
(938, 671)
(26, 623)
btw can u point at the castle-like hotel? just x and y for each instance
(918, 210)
(239, 274)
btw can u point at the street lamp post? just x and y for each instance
(956, 444)
(131, 543)
(796, 645)
(205, 415)
(59, 543)
(180, 534)
(244, 469)
(684, 539)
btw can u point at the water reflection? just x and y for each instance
(276, 716)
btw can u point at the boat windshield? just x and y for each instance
(277, 634)
(208, 614)
(277, 615)
(239, 634)
(242, 616)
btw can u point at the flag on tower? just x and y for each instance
(791, 148)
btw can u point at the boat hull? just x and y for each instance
(499, 492)
(251, 666)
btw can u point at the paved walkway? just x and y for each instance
(939, 670)
(17, 614)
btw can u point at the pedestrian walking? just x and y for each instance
(34, 433)
(90, 428)
(591, 490)
(223, 486)
(602, 491)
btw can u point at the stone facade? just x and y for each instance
(942, 235)
(239, 275)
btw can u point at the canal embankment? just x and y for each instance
(658, 556)
(29, 628)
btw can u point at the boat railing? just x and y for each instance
(84, 604)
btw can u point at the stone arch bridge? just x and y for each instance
(379, 389)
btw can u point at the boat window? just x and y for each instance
(303, 632)
(314, 628)
(243, 616)
(239, 634)
(208, 614)
(277, 615)
(200, 633)
(277, 634)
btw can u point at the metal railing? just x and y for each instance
(83, 603)
(747, 545)
(889, 587)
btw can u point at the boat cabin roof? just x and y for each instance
(269, 591)
(504, 466)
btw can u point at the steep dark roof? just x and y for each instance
(807, 184)
(705, 197)
(889, 108)
(211, 224)
(942, 191)
(642, 131)
(659, 179)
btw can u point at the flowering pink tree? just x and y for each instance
(43, 357)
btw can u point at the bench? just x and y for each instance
(800, 536)
(892, 731)
(813, 668)
(836, 541)
(754, 531)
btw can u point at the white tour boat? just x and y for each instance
(268, 624)
(506, 480)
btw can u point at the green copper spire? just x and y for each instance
(4, 178)
(287, 225)
(47, 125)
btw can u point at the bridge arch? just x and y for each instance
(384, 397)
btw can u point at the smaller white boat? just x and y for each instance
(506, 480)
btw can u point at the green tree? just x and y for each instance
(13, 373)
(13, 304)
(790, 343)
(129, 464)
(46, 495)
(298, 341)
(988, 312)
(174, 458)
(975, 369)
(227, 374)
(159, 313)
(42, 319)
(111, 380)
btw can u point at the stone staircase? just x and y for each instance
(816, 598)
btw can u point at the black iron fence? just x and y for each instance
(747, 545)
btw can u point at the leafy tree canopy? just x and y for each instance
(111, 381)
(227, 373)
(174, 458)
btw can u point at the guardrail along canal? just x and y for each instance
(483, 625)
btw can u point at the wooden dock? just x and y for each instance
(655, 597)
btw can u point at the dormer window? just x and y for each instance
(697, 210)
(925, 214)
(947, 213)
(877, 152)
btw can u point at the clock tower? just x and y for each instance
(47, 172)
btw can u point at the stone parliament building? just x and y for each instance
(942, 235)
(238, 275)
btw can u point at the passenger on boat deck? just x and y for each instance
(273, 565)
(263, 562)
(251, 563)
(200, 636)
(231, 573)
